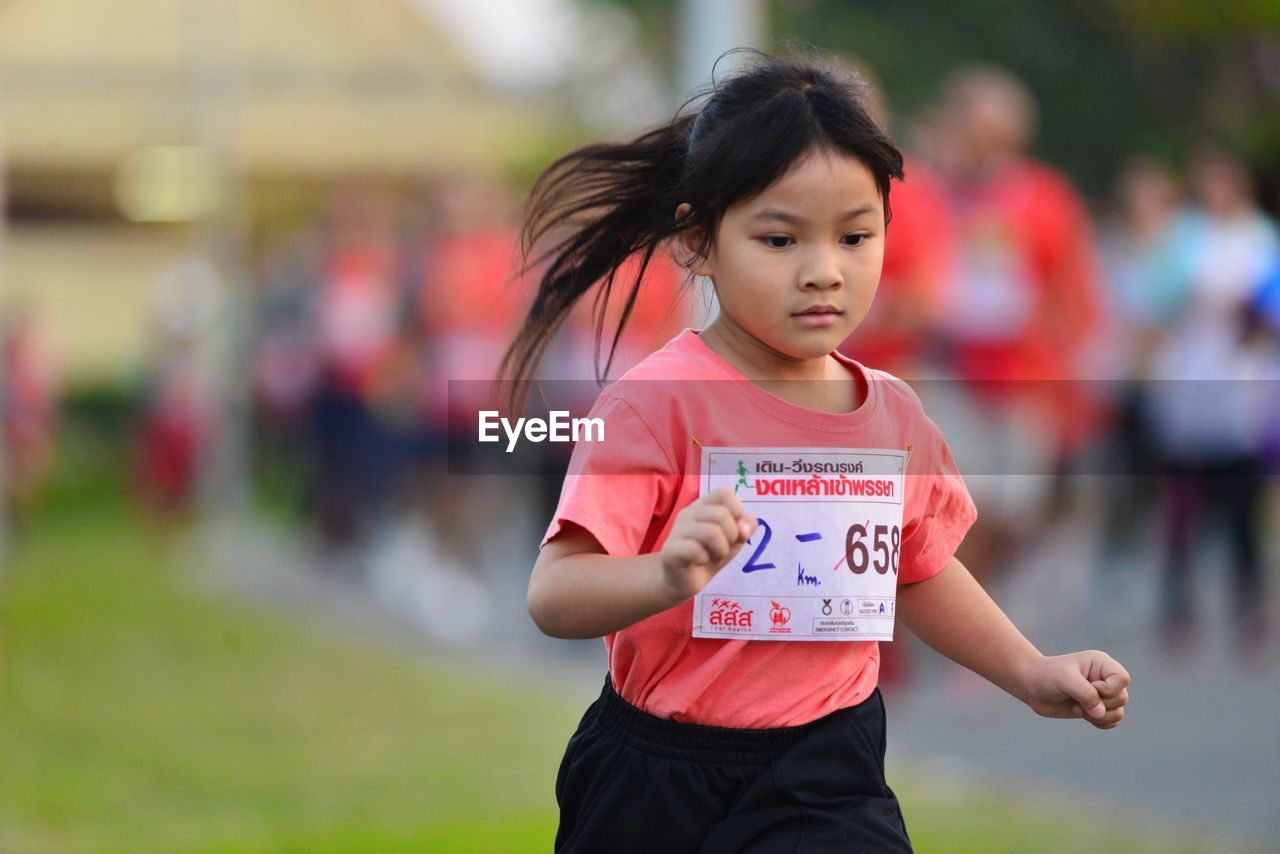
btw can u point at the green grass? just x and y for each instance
(137, 716)
(134, 716)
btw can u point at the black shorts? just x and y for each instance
(632, 782)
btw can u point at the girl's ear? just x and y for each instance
(688, 244)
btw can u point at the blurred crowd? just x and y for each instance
(1139, 340)
(380, 332)
(1139, 343)
(1142, 345)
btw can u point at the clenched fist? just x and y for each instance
(705, 536)
(1090, 685)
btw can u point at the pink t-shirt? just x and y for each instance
(627, 489)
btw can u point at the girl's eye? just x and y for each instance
(777, 241)
(854, 239)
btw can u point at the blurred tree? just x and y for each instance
(1212, 71)
(1111, 77)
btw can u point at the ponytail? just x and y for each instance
(615, 200)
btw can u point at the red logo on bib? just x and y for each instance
(780, 615)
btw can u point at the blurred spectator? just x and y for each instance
(179, 404)
(1265, 312)
(1215, 371)
(899, 330)
(287, 370)
(900, 326)
(1018, 313)
(467, 300)
(32, 384)
(467, 303)
(457, 304)
(1145, 257)
(360, 302)
(287, 364)
(332, 315)
(1268, 299)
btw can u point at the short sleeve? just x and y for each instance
(930, 538)
(618, 488)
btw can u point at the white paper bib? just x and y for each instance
(823, 563)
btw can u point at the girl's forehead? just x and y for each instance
(818, 181)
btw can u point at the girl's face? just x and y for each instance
(795, 267)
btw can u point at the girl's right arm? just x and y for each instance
(579, 591)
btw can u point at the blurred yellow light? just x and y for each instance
(168, 183)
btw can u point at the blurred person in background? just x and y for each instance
(1265, 312)
(179, 407)
(359, 312)
(1267, 304)
(465, 301)
(32, 387)
(1145, 255)
(1215, 371)
(1017, 313)
(901, 326)
(287, 367)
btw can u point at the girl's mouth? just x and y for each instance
(818, 316)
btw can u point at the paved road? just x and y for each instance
(1200, 746)
(1200, 743)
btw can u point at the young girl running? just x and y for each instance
(760, 508)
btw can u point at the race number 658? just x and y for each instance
(885, 543)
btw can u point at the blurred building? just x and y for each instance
(126, 122)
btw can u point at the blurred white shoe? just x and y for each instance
(438, 595)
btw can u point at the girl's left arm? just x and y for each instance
(953, 614)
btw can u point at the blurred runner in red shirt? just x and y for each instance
(918, 256)
(358, 324)
(468, 302)
(899, 331)
(896, 334)
(1022, 308)
(31, 386)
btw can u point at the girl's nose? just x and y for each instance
(822, 271)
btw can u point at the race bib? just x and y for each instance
(994, 293)
(823, 562)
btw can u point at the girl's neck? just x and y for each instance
(793, 380)
(757, 361)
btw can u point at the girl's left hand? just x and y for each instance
(1088, 684)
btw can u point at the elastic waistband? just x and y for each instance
(699, 742)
